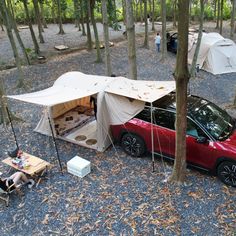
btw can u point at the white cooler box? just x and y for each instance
(78, 166)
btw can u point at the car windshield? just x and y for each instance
(215, 120)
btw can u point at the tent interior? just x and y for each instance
(74, 121)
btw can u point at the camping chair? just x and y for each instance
(8, 192)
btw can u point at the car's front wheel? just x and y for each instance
(226, 172)
(133, 145)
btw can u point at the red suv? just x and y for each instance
(211, 135)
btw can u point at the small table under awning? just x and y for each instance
(36, 165)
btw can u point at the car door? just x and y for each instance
(164, 132)
(200, 147)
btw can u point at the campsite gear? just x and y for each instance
(78, 166)
(217, 54)
(118, 100)
(34, 164)
(13, 153)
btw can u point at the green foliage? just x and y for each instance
(115, 15)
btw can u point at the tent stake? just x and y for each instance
(153, 164)
(55, 144)
(13, 131)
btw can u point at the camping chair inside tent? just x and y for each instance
(8, 193)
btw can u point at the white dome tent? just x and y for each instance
(217, 55)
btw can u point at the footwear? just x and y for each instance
(31, 183)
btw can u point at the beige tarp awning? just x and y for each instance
(68, 87)
(147, 91)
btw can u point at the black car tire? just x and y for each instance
(226, 172)
(133, 145)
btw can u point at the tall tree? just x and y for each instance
(88, 15)
(232, 23)
(14, 26)
(38, 18)
(131, 40)
(35, 42)
(174, 13)
(153, 15)
(141, 10)
(181, 76)
(106, 38)
(199, 39)
(97, 42)
(218, 14)
(41, 4)
(1, 22)
(77, 14)
(221, 15)
(146, 41)
(123, 11)
(7, 22)
(61, 30)
(163, 30)
(82, 16)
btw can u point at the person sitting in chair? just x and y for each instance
(10, 183)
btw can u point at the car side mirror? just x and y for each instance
(202, 140)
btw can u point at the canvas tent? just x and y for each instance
(67, 105)
(217, 55)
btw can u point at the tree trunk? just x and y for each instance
(42, 14)
(232, 23)
(61, 31)
(141, 10)
(163, 18)
(36, 46)
(195, 56)
(5, 13)
(97, 43)
(89, 38)
(82, 16)
(135, 11)
(215, 8)
(218, 15)
(174, 14)
(235, 99)
(146, 41)
(37, 15)
(76, 14)
(1, 22)
(123, 11)
(131, 40)
(106, 38)
(53, 8)
(181, 77)
(12, 23)
(153, 15)
(221, 16)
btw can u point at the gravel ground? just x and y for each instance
(121, 195)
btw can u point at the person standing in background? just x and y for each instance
(158, 42)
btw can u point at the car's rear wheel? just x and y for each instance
(133, 145)
(226, 172)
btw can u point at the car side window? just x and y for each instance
(164, 118)
(194, 130)
(145, 114)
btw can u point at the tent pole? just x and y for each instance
(153, 164)
(13, 131)
(55, 144)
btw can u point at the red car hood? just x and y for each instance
(232, 139)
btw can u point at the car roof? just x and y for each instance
(169, 102)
